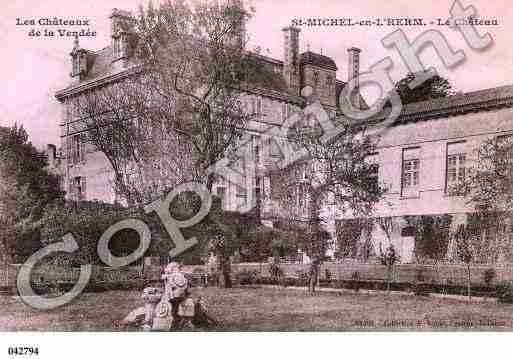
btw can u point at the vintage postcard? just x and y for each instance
(236, 165)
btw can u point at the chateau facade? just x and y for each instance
(426, 151)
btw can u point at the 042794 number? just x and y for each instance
(22, 351)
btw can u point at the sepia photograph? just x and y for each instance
(182, 166)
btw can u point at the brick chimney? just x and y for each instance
(238, 16)
(121, 24)
(291, 58)
(353, 71)
(78, 60)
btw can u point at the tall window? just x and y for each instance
(256, 148)
(302, 198)
(329, 81)
(78, 188)
(456, 164)
(221, 193)
(455, 168)
(258, 192)
(316, 79)
(256, 106)
(504, 155)
(374, 177)
(274, 148)
(411, 172)
(76, 149)
(373, 162)
(302, 172)
(241, 188)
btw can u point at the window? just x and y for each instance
(455, 168)
(302, 197)
(374, 178)
(329, 81)
(316, 79)
(257, 191)
(274, 148)
(78, 188)
(504, 154)
(221, 193)
(456, 164)
(256, 106)
(302, 172)
(241, 189)
(76, 149)
(256, 148)
(411, 172)
(284, 112)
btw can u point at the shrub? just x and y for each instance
(327, 274)
(246, 276)
(275, 271)
(291, 282)
(488, 276)
(355, 284)
(421, 289)
(419, 275)
(302, 277)
(504, 292)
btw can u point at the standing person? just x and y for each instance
(176, 286)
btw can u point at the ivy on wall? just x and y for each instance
(432, 235)
(354, 238)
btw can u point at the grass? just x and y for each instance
(266, 309)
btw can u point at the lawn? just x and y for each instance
(267, 309)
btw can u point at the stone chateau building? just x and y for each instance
(420, 157)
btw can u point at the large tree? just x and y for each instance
(337, 172)
(434, 87)
(179, 109)
(26, 188)
(487, 184)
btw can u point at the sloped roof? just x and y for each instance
(101, 63)
(312, 58)
(266, 75)
(474, 101)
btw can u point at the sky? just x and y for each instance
(32, 68)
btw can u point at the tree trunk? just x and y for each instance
(389, 277)
(468, 283)
(224, 272)
(314, 233)
(210, 181)
(314, 276)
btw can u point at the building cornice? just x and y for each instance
(61, 95)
